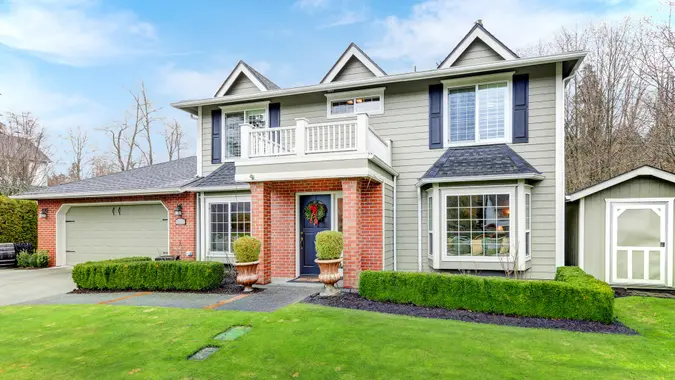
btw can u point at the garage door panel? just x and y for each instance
(95, 233)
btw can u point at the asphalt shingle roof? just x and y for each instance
(263, 79)
(223, 176)
(485, 160)
(166, 175)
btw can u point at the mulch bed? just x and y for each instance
(353, 301)
(228, 286)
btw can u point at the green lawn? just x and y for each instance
(306, 341)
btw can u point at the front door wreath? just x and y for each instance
(315, 212)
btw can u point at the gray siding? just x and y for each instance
(594, 222)
(242, 85)
(477, 52)
(353, 70)
(405, 121)
(388, 227)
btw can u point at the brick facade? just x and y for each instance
(182, 238)
(274, 223)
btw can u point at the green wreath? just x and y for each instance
(315, 211)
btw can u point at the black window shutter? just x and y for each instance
(520, 104)
(435, 116)
(216, 136)
(275, 115)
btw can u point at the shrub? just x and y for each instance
(18, 220)
(41, 258)
(329, 245)
(246, 249)
(148, 275)
(23, 259)
(573, 297)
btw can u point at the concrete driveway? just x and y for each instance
(25, 285)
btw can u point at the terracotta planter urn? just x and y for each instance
(329, 276)
(247, 275)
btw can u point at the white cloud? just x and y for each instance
(311, 4)
(74, 32)
(335, 13)
(434, 27)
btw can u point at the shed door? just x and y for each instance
(639, 243)
(96, 233)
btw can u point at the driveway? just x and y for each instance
(25, 285)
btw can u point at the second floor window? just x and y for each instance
(232, 129)
(478, 113)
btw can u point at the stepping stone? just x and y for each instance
(233, 333)
(203, 353)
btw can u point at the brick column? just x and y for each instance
(261, 227)
(46, 228)
(351, 193)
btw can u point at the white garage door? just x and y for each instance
(96, 233)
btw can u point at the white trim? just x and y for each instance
(559, 167)
(610, 233)
(241, 186)
(476, 81)
(396, 78)
(581, 234)
(477, 33)
(239, 69)
(334, 195)
(200, 164)
(119, 193)
(317, 173)
(347, 95)
(498, 177)
(246, 107)
(419, 229)
(229, 199)
(642, 171)
(61, 238)
(352, 51)
(239, 108)
(475, 190)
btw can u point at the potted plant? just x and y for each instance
(329, 247)
(246, 253)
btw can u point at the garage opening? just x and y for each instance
(95, 233)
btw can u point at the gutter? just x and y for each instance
(396, 78)
(103, 194)
(533, 176)
(205, 189)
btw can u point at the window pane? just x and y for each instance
(367, 104)
(241, 220)
(232, 134)
(219, 227)
(478, 225)
(341, 107)
(527, 211)
(256, 118)
(491, 110)
(462, 107)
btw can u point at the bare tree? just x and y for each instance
(101, 165)
(23, 153)
(173, 139)
(79, 143)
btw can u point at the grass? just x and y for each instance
(307, 341)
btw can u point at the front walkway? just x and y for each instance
(271, 299)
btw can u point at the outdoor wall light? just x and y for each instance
(179, 210)
(43, 213)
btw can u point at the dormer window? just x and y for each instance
(347, 104)
(478, 112)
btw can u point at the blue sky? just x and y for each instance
(71, 61)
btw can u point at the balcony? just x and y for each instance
(304, 150)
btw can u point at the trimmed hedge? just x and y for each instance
(141, 273)
(573, 295)
(18, 220)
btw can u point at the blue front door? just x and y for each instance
(308, 233)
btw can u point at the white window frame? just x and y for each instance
(238, 108)
(476, 81)
(430, 225)
(338, 96)
(527, 233)
(207, 220)
(482, 190)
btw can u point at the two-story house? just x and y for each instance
(459, 168)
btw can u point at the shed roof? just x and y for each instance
(641, 171)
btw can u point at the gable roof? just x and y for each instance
(352, 51)
(477, 32)
(485, 162)
(220, 179)
(641, 171)
(242, 68)
(163, 178)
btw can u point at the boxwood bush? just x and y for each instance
(329, 245)
(144, 274)
(573, 295)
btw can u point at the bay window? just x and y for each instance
(478, 109)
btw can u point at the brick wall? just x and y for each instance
(274, 223)
(181, 238)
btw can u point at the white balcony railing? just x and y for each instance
(303, 139)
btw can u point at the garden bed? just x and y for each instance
(354, 301)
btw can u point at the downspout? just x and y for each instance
(198, 219)
(395, 223)
(419, 229)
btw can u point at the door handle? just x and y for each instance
(302, 240)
